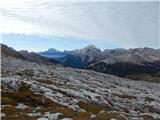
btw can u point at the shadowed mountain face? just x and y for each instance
(82, 58)
(123, 69)
(75, 61)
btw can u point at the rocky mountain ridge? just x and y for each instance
(35, 57)
(131, 62)
(120, 62)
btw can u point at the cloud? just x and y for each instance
(132, 24)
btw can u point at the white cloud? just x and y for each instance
(128, 23)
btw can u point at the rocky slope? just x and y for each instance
(10, 52)
(39, 92)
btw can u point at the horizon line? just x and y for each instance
(78, 48)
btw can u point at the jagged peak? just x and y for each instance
(90, 47)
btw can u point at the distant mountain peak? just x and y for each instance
(90, 46)
(89, 50)
(52, 50)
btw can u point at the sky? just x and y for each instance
(42, 43)
(37, 25)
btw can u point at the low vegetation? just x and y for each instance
(146, 77)
(109, 116)
(92, 108)
(46, 81)
(125, 96)
(32, 100)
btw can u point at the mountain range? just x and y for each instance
(133, 63)
(56, 54)
(136, 64)
(34, 90)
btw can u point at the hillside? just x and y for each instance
(10, 52)
(36, 91)
(35, 57)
